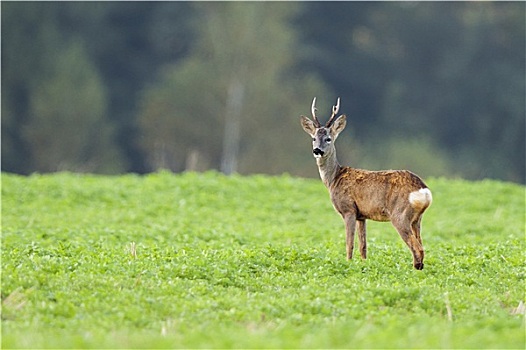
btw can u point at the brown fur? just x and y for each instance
(375, 195)
(359, 195)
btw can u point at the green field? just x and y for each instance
(206, 261)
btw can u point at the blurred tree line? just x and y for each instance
(111, 87)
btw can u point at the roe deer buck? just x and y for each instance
(398, 196)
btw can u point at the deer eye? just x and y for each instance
(313, 139)
(328, 139)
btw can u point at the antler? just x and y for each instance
(313, 111)
(335, 110)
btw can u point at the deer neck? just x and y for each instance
(328, 167)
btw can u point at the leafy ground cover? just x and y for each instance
(205, 261)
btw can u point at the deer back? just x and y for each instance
(375, 195)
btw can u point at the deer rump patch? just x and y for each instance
(421, 199)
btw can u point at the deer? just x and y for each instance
(398, 196)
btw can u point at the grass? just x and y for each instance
(208, 261)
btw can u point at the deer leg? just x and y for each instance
(360, 227)
(415, 230)
(350, 225)
(415, 227)
(404, 228)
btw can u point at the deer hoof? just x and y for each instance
(419, 266)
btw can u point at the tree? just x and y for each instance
(235, 88)
(68, 129)
(460, 78)
(448, 74)
(219, 85)
(54, 103)
(28, 32)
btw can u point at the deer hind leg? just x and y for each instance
(415, 228)
(350, 225)
(405, 228)
(360, 227)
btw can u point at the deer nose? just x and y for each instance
(318, 152)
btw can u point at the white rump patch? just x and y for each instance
(421, 198)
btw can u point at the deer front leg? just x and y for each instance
(360, 227)
(350, 225)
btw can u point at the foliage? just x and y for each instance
(452, 71)
(69, 130)
(205, 261)
(246, 48)
(419, 154)
(64, 118)
(450, 75)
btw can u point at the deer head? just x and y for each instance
(323, 137)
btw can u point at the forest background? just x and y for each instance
(115, 87)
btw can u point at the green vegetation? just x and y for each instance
(113, 87)
(205, 260)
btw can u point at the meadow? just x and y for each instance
(201, 260)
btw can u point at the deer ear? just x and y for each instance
(338, 125)
(308, 125)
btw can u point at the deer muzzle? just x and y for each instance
(318, 152)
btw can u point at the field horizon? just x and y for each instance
(203, 260)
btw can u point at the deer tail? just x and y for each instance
(421, 199)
